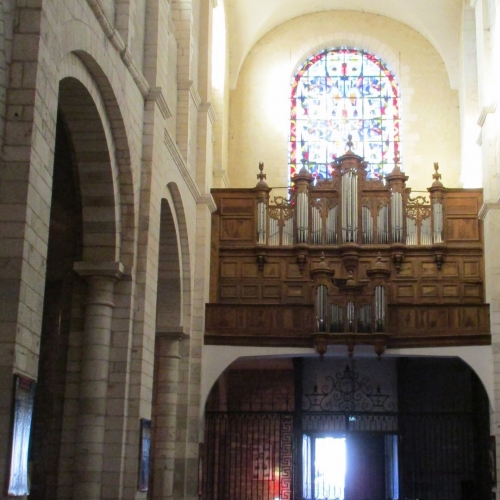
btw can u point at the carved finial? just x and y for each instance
(350, 144)
(261, 176)
(379, 263)
(436, 176)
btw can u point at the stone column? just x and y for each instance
(490, 214)
(167, 359)
(89, 460)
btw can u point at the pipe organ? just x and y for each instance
(347, 260)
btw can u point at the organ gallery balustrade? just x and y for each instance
(347, 260)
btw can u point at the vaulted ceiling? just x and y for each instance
(436, 20)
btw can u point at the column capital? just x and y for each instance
(109, 269)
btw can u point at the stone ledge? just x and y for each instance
(107, 269)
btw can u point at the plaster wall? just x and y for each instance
(259, 106)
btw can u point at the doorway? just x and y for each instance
(358, 465)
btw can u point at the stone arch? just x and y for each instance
(169, 291)
(352, 40)
(93, 152)
(172, 306)
(439, 402)
(184, 250)
(84, 67)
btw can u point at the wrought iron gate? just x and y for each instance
(258, 455)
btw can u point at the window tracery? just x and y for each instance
(339, 93)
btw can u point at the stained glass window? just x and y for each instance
(342, 92)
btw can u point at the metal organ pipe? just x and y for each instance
(316, 226)
(261, 222)
(367, 225)
(379, 308)
(349, 206)
(383, 226)
(437, 210)
(302, 219)
(397, 217)
(321, 308)
(350, 317)
(331, 226)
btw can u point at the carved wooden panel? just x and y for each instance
(462, 229)
(406, 270)
(472, 269)
(271, 291)
(249, 270)
(237, 206)
(429, 292)
(413, 320)
(450, 269)
(450, 291)
(293, 270)
(237, 229)
(229, 269)
(229, 292)
(250, 291)
(271, 325)
(428, 270)
(271, 270)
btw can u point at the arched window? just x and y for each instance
(342, 92)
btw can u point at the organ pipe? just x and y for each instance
(426, 232)
(331, 226)
(288, 233)
(316, 226)
(274, 233)
(379, 308)
(302, 219)
(261, 222)
(321, 308)
(383, 226)
(349, 206)
(350, 317)
(411, 231)
(437, 210)
(367, 225)
(397, 216)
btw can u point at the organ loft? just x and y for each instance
(351, 260)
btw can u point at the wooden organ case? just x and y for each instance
(347, 260)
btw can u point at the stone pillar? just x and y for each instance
(490, 214)
(167, 359)
(89, 459)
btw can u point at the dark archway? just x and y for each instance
(64, 248)
(84, 226)
(412, 428)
